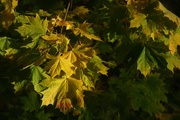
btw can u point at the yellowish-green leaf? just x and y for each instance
(9, 5)
(89, 84)
(82, 30)
(169, 14)
(83, 55)
(143, 64)
(44, 13)
(58, 64)
(35, 29)
(60, 88)
(173, 62)
(174, 41)
(60, 22)
(80, 98)
(139, 20)
(98, 63)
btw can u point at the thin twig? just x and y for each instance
(67, 10)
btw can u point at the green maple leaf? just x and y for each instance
(146, 62)
(148, 95)
(58, 64)
(43, 116)
(35, 28)
(31, 102)
(37, 76)
(60, 88)
(18, 86)
(4, 43)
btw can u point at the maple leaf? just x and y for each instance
(83, 31)
(64, 105)
(58, 64)
(7, 15)
(98, 63)
(146, 62)
(87, 79)
(148, 94)
(174, 41)
(35, 28)
(60, 88)
(4, 43)
(80, 55)
(18, 86)
(31, 102)
(58, 38)
(139, 20)
(9, 5)
(79, 96)
(60, 22)
(142, 63)
(173, 61)
(37, 76)
(80, 10)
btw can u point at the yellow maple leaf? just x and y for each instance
(174, 42)
(60, 22)
(58, 64)
(63, 90)
(7, 15)
(80, 55)
(82, 30)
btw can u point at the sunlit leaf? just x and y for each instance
(82, 30)
(58, 64)
(173, 62)
(9, 5)
(60, 22)
(86, 78)
(139, 20)
(35, 28)
(98, 63)
(7, 15)
(60, 88)
(18, 86)
(174, 41)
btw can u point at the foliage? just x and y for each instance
(88, 60)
